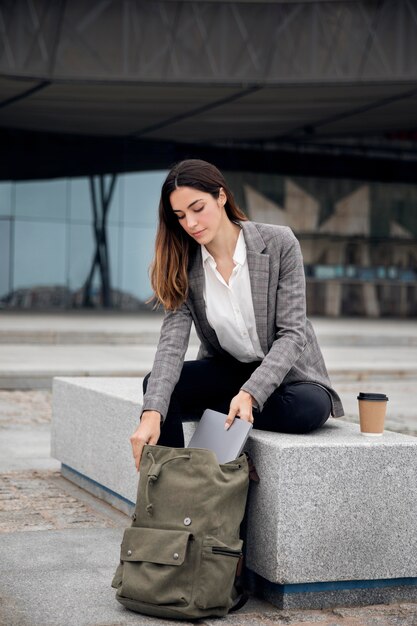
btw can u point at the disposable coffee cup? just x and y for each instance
(372, 410)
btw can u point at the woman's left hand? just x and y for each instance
(240, 406)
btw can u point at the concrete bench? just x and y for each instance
(332, 521)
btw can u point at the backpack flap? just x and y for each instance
(164, 547)
(158, 566)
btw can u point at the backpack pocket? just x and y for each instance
(157, 566)
(217, 573)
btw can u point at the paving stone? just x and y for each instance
(34, 500)
(25, 407)
(28, 412)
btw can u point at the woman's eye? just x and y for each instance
(181, 217)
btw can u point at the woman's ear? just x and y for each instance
(222, 199)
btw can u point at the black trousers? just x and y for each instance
(212, 383)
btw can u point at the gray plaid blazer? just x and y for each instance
(285, 334)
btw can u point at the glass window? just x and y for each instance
(114, 215)
(79, 198)
(366, 273)
(6, 199)
(137, 253)
(81, 250)
(81, 208)
(408, 275)
(141, 194)
(324, 272)
(5, 286)
(42, 199)
(113, 242)
(39, 254)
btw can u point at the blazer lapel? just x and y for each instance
(258, 264)
(196, 289)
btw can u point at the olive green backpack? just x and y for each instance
(179, 557)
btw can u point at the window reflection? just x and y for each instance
(39, 253)
(6, 199)
(5, 227)
(42, 199)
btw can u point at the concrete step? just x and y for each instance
(79, 328)
(34, 366)
(143, 329)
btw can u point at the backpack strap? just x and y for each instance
(253, 474)
(153, 475)
(242, 595)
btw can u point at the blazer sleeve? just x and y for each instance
(169, 359)
(290, 321)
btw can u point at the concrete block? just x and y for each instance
(331, 521)
(333, 505)
(92, 421)
(93, 418)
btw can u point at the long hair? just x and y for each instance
(168, 271)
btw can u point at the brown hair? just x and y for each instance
(168, 272)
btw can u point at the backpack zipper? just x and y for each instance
(226, 552)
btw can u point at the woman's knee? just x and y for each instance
(310, 406)
(296, 408)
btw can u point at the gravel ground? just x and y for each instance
(42, 500)
(33, 500)
(25, 407)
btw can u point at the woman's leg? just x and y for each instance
(295, 408)
(212, 383)
(203, 384)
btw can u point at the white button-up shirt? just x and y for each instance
(229, 307)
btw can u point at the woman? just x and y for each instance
(243, 286)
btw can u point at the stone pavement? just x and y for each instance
(38, 346)
(59, 545)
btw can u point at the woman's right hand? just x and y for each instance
(148, 432)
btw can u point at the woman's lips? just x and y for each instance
(198, 233)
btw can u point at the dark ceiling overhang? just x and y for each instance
(208, 113)
(33, 155)
(149, 79)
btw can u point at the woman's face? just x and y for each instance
(200, 215)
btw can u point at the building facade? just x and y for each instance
(359, 240)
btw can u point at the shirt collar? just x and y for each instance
(239, 255)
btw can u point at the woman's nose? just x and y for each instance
(191, 220)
